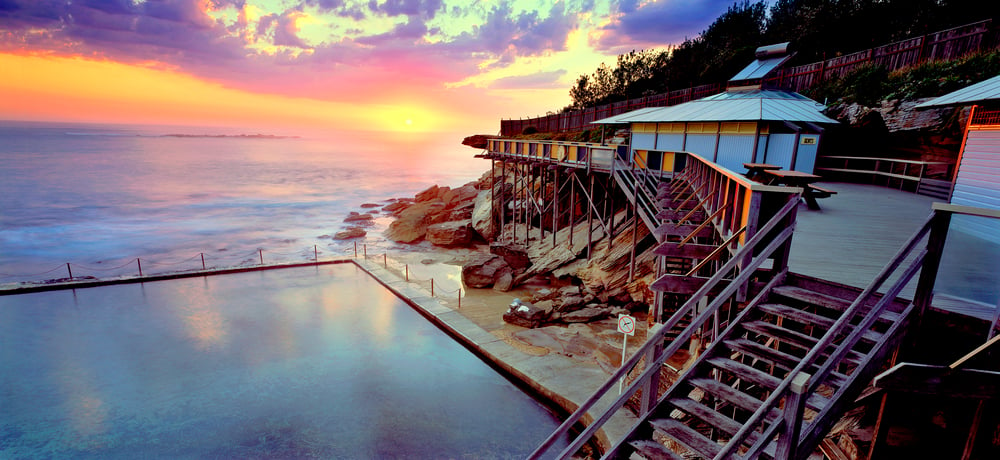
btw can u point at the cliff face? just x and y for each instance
(896, 129)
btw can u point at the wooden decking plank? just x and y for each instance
(868, 222)
(653, 450)
(688, 437)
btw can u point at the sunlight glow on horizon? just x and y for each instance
(105, 91)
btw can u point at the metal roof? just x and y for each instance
(987, 90)
(767, 59)
(747, 105)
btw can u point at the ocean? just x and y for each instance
(101, 196)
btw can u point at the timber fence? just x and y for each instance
(127, 270)
(944, 45)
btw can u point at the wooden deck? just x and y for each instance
(860, 229)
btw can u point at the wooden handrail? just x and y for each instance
(716, 252)
(652, 341)
(702, 226)
(828, 339)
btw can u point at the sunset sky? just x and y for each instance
(391, 65)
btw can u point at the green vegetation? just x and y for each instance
(869, 85)
(817, 29)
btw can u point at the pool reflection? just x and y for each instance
(310, 362)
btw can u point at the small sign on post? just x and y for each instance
(626, 325)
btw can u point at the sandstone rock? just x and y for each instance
(482, 214)
(442, 191)
(397, 206)
(572, 303)
(353, 232)
(356, 217)
(585, 315)
(411, 224)
(515, 255)
(524, 314)
(454, 197)
(546, 305)
(545, 294)
(370, 205)
(482, 270)
(428, 194)
(462, 212)
(450, 233)
(570, 290)
(504, 280)
(477, 141)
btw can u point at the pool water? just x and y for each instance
(314, 362)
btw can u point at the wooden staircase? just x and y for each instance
(713, 400)
(787, 355)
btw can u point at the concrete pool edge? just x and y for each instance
(557, 378)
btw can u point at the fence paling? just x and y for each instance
(893, 56)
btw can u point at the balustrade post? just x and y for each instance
(649, 389)
(788, 443)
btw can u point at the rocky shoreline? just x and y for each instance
(557, 283)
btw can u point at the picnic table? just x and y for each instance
(810, 192)
(755, 171)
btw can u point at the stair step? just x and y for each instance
(758, 377)
(653, 450)
(687, 437)
(780, 358)
(676, 204)
(795, 338)
(706, 414)
(680, 284)
(746, 373)
(684, 230)
(688, 251)
(810, 318)
(827, 301)
(727, 393)
(667, 214)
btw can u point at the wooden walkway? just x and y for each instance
(858, 231)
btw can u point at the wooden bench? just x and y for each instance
(820, 192)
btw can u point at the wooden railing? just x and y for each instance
(653, 352)
(591, 156)
(893, 170)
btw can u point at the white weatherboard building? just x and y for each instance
(745, 124)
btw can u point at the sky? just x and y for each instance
(288, 65)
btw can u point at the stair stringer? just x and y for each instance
(811, 433)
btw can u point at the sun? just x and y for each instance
(408, 122)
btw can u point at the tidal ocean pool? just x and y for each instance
(309, 362)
